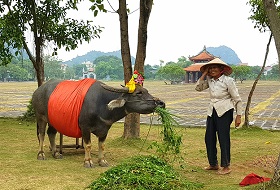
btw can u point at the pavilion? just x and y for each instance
(193, 71)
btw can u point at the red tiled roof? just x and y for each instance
(202, 56)
(194, 67)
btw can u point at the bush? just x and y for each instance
(29, 115)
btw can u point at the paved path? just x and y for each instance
(264, 109)
(182, 100)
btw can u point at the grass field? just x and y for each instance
(253, 150)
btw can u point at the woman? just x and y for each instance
(224, 97)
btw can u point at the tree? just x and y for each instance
(69, 73)
(48, 22)
(52, 68)
(183, 62)
(275, 72)
(255, 70)
(171, 72)
(109, 66)
(273, 16)
(149, 71)
(241, 72)
(78, 70)
(132, 121)
(266, 14)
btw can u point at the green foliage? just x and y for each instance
(259, 16)
(29, 115)
(52, 68)
(170, 148)
(48, 22)
(109, 66)
(78, 70)
(149, 71)
(142, 172)
(183, 62)
(18, 70)
(241, 72)
(171, 72)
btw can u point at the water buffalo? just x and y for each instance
(101, 106)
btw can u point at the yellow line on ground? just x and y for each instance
(262, 105)
(169, 92)
(183, 100)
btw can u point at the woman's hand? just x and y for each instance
(237, 120)
(204, 74)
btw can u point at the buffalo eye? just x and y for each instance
(139, 93)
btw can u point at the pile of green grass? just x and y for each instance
(142, 172)
(149, 172)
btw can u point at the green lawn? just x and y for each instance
(253, 151)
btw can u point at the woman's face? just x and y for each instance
(214, 71)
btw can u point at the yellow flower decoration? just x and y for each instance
(131, 85)
(136, 78)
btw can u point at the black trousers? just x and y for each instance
(218, 126)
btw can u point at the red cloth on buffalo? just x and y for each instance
(65, 104)
(253, 179)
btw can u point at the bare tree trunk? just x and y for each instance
(133, 127)
(132, 121)
(37, 62)
(274, 23)
(145, 11)
(276, 176)
(125, 49)
(247, 110)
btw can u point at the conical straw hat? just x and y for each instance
(227, 69)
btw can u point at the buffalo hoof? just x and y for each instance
(57, 155)
(41, 156)
(88, 164)
(103, 163)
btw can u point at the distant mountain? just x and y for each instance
(92, 55)
(225, 53)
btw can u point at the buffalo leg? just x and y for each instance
(41, 128)
(87, 141)
(52, 133)
(101, 160)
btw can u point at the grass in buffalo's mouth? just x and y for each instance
(171, 140)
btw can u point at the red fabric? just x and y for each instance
(253, 179)
(65, 104)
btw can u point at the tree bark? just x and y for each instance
(274, 23)
(276, 176)
(125, 49)
(145, 11)
(132, 121)
(38, 61)
(246, 122)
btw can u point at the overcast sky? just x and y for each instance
(182, 28)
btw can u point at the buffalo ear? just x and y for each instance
(116, 104)
(112, 89)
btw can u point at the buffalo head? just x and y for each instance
(140, 101)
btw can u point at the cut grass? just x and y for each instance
(253, 151)
(141, 173)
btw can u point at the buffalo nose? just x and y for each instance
(160, 103)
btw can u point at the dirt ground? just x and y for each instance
(181, 99)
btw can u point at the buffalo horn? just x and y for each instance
(110, 88)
